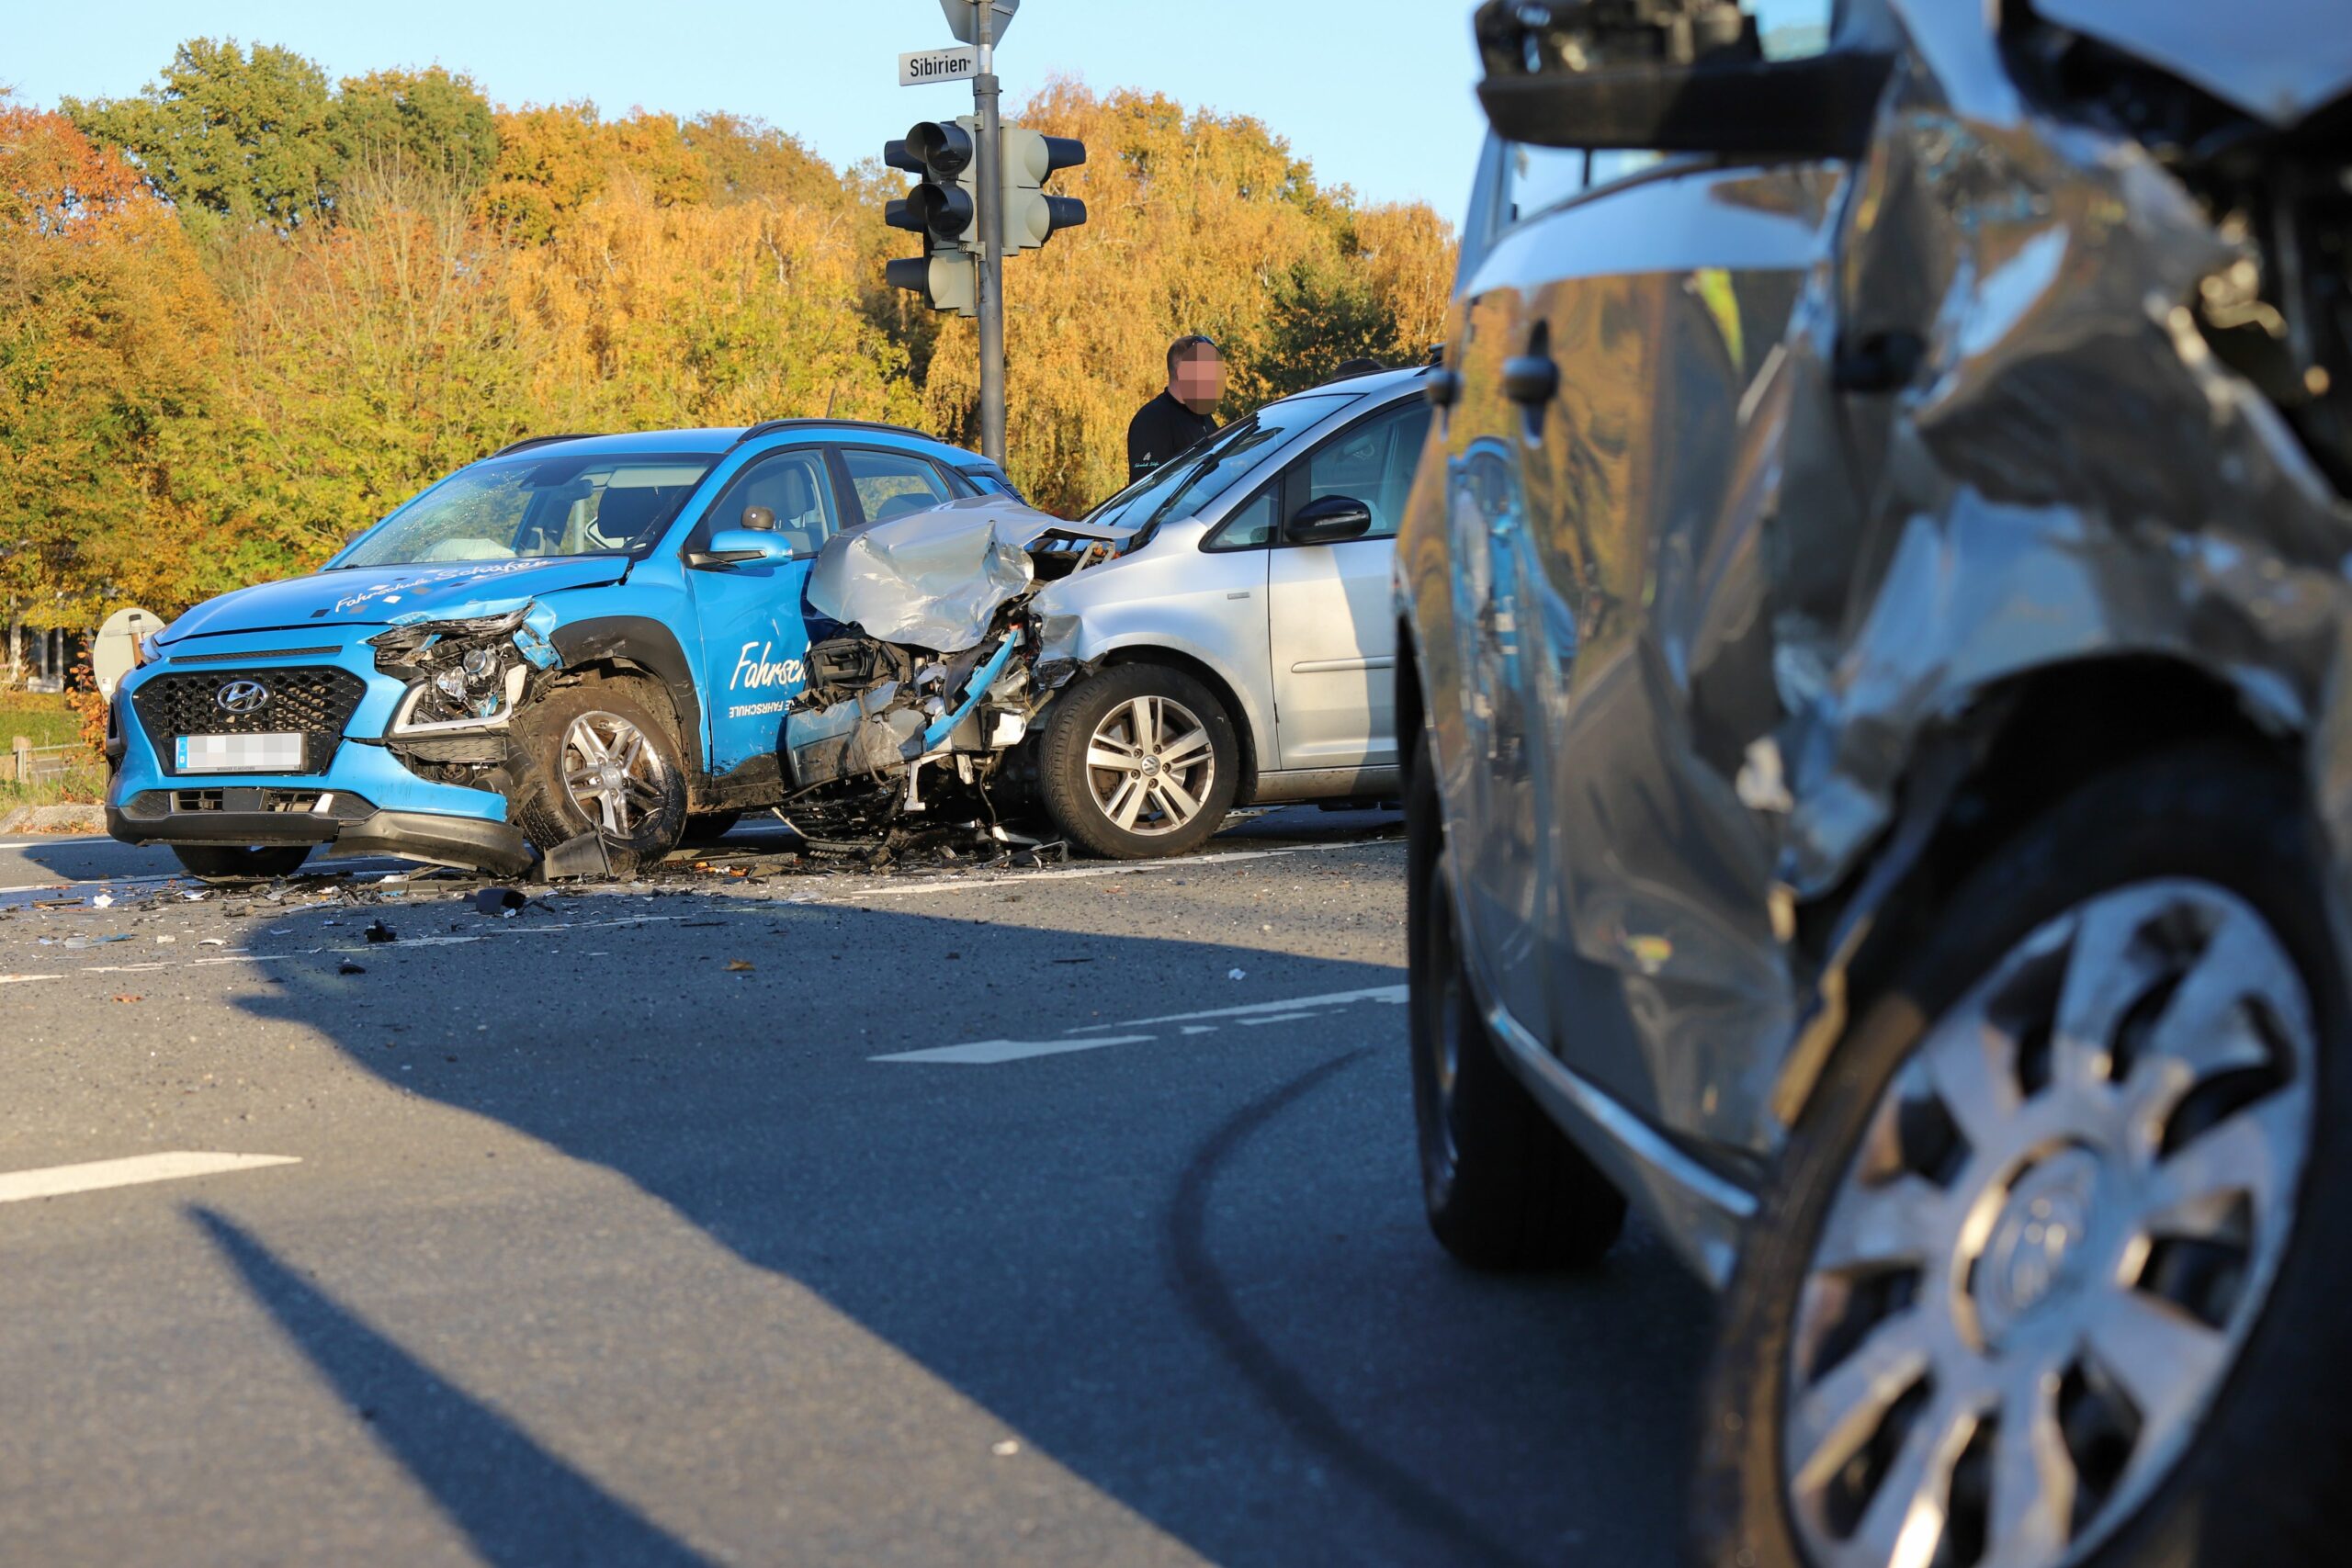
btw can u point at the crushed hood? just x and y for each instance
(2278, 60)
(935, 579)
(382, 595)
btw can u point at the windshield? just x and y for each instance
(1189, 481)
(524, 507)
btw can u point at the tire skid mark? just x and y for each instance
(1203, 1293)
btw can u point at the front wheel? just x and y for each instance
(602, 759)
(1503, 1187)
(229, 862)
(1139, 761)
(2045, 1274)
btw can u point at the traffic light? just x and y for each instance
(944, 208)
(1032, 217)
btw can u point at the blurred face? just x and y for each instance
(1199, 381)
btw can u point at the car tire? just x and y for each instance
(638, 809)
(2242, 1453)
(229, 862)
(1174, 743)
(709, 827)
(1504, 1188)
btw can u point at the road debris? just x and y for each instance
(379, 932)
(502, 901)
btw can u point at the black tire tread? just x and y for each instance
(2259, 1482)
(1061, 759)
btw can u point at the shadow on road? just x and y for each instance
(517, 1504)
(1192, 1271)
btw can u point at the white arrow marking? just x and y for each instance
(1290, 1005)
(986, 1053)
(59, 1180)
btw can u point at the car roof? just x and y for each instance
(719, 439)
(1370, 384)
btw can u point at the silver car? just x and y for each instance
(1875, 638)
(1243, 644)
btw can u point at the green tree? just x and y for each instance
(242, 135)
(431, 120)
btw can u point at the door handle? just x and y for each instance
(1531, 379)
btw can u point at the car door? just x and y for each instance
(1331, 634)
(1648, 376)
(754, 639)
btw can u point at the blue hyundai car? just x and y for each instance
(577, 635)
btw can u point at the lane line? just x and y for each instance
(57, 1181)
(21, 979)
(1391, 994)
(1083, 872)
(988, 1053)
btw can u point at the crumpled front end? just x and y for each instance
(2112, 318)
(925, 653)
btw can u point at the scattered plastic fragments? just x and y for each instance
(738, 967)
(498, 901)
(103, 901)
(1236, 975)
(124, 997)
(380, 932)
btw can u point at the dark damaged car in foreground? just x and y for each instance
(1874, 612)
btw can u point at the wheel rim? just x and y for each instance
(616, 777)
(2061, 1224)
(1152, 765)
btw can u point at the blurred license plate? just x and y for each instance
(240, 753)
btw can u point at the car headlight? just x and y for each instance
(462, 672)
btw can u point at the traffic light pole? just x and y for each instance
(989, 157)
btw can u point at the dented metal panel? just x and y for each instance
(1841, 454)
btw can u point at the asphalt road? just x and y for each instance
(1060, 1215)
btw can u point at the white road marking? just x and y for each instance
(57, 1181)
(1393, 994)
(239, 955)
(21, 979)
(1081, 873)
(988, 1053)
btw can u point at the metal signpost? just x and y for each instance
(984, 102)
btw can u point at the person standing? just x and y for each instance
(1180, 415)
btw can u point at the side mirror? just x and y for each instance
(1328, 521)
(1683, 76)
(741, 546)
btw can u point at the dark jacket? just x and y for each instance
(1161, 429)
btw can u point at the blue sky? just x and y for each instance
(1377, 94)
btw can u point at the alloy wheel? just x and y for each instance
(1151, 765)
(615, 776)
(2062, 1223)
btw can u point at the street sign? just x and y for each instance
(964, 23)
(924, 66)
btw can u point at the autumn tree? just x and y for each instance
(430, 120)
(242, 135)
(109, 331)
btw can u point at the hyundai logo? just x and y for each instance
(242, 696)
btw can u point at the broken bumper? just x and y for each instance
(351, 826)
